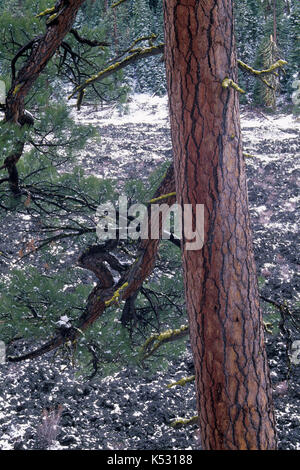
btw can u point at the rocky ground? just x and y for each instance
(133, 410)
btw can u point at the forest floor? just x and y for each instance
(131, 410)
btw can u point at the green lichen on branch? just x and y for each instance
(163, 196)
(116, 4)
(52, 18)
(268, 327)
(150, 39)
(177, 423)
(139, 54)
(54, 12)
(48, 11)
(228, 82)
(260, 74)
(182, 381)
(158, 339)
(17, 88)
(116, 295)
(277, 65)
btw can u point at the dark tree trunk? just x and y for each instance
(226, 328)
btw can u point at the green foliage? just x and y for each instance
(141, 192)
(162, 308)
(291, 43)
(270, 54)
(117, 346)
(11, 136)
(272, 318)
(111, 343)
(254, 25)
(296, 96)
(94, 22)
(32, 301)
(18, 26)
(134, 20)
(165, 289)
(54, 142)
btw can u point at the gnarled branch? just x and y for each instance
(107, 292)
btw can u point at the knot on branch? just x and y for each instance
(100, 261)
(26, 119)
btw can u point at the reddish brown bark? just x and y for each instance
(42, 50)
(226, 329)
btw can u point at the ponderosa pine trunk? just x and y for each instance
(226, 328)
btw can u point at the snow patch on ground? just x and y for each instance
(141, 109)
